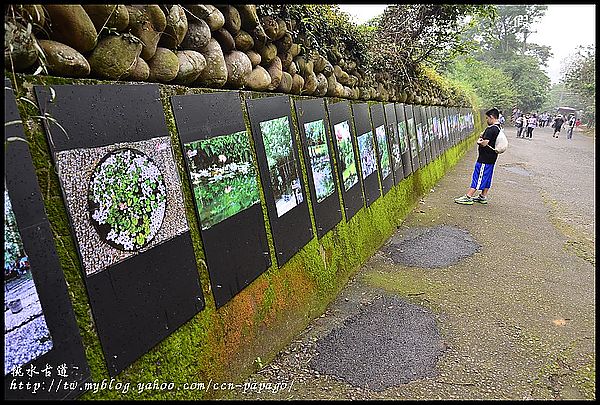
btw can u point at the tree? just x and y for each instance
(492, 85)
(503, 46)
(410, 34)
(579, 77)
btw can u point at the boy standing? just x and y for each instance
(484, 167)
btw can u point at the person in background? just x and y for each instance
(531, 124)
(484, 167)
(577, 122)
(519, 125)
(571, 124)
(558, 122)
(501, 119)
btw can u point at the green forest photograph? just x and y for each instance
(403, 137)
(346, 152)
(223, 176)
(320, 162)
(285, 180)
(412, 132)
(384, 154)
(366, 147)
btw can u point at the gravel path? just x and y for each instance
(516, 318)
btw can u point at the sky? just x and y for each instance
(563, 27)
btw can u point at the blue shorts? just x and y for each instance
(482, 176)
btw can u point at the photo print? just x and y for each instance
(123, 198)
(403, 136)
(383, 151)
(223, 176)
(321, 167)
(26, 335)
(346, 151)
(285, 180)
(366, 148)
(412, 132)
(420, 136)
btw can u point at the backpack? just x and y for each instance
(501, 142)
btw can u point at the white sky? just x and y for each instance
(563, 28)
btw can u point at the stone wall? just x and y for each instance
(224, 345)
(223, 46)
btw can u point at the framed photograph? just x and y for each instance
(382, 147)
(123, 195)
(411, 125)
(279, 166)
(366, 149)
(322, 179)
(394, 142)
(40, 329)
(221, 170)
(340, 121)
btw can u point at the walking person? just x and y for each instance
(519, 125)
(571, 124)
(484, 167)
(558, 122)
(531, 124)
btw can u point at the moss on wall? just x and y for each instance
(223, 345)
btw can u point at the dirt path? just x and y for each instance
(516, 319)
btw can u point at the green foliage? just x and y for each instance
(321, 27)
(505, 71)
(579, 77)
(409, 34)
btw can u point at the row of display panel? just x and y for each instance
(121, 188)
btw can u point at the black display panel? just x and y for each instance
(382, 147)
(123, 195)
(454, 125)
(346, 154)
(392, 125)
(366, 149)
(429, 138)
(444, 126)
(421, 122)
(41, 336)
(224, 182)
(403, 139)
(411, 125)
(436, 146)
(280, 173)
(315, 134)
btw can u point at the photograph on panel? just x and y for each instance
(285, 180)
(322, 170)
(368, 160)
(124, 199)
(420, 139)
(26, 335)
(412, 132)
(346, 151)
(223, 176)
(384, 153)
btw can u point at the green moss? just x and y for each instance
(222, 345)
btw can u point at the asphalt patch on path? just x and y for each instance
(438, 246)
(387, 343)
